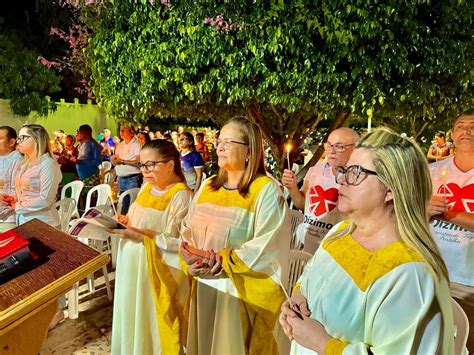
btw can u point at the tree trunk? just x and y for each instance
(279, 129)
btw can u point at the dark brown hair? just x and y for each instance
(11, 133)
(167, 150)
(190, 139)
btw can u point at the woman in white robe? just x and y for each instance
(239, 217)
(378, 284)
(150, 289)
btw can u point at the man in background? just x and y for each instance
(9, 161)
(452, 205)
(452, 213)
(127, 155)
(89, 157)
(319, 194)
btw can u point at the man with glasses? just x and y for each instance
(452, 205)
(9, 162)
(319, 193)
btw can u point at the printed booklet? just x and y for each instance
(94, 223)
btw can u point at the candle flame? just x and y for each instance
(442, 174)
(288, 147)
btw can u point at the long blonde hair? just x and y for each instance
(401, 166)
(256, 164)
(41, 138)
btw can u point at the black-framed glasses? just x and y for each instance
(150, 164)
(227, 144)
(338, 147)
(353, 175)
(22, 138)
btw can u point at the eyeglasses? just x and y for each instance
(461, 127)
(338, 147)
(228, 144)
(353, 174)
(149, 165)
(22, 138)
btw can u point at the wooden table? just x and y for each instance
(29, 301)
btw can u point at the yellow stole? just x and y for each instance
(171, 317)
(260, 300)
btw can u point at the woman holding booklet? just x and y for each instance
(151, 290)
(235, 242)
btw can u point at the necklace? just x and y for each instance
(229, 188)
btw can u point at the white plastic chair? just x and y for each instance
(76, 188)
(132, 193)
(103, 192)
(109, 177)
(296, 218)
(463, 292)
(298, 260)
(462, 328)
(106, 209)
(105, 165)
(96, 242)
(66, 207)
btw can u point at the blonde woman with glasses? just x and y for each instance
(377, 284)
(38, 177)
(238, 219)
(36, 184)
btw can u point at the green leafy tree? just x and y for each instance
(23, 79)
(287, 66)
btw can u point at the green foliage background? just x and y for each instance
(23, 79)
(287, 65)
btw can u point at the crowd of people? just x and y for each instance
(197, 150)
(201, 264)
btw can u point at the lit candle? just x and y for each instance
(443, 175)
(112, 202)
(288, 150)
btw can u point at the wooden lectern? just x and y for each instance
(29, 301)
